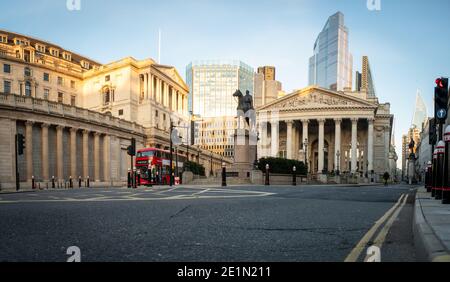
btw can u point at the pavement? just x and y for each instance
(209, 224)
(431, 228)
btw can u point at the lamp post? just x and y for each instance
(267, 182)
(294, 176)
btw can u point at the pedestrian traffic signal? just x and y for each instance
(441, 100)
(131, 150)
(20, 144)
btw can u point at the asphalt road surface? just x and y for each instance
(238, 224)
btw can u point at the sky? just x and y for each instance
(406, 40)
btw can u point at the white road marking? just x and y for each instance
(198, 195)
(362, 245)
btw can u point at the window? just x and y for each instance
(60, 81)
(72, 84)
(67, 56)
(120, 112)
(7, 87)
(28, 89)
(3, 39)
(106, 96)
(27, 71)
(6, 68)
(85, 64)
(72, 101)
(46, 77)
(46, 93)
(60, 97)
(107, 78)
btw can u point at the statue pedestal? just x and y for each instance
(245, 143)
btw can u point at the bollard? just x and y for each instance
(79, 181)
(224, 175)
(446, 186)
(88, 184)
(440, 170)
(429, 176)
(70, 182)
(39, 185)
(53, 182)
(33, 184)
(267, 182)
(433, 174)
(138, 179)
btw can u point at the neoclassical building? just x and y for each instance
(331, 131)
(78, 116)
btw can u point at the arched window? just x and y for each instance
(106, 95)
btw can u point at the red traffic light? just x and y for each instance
(439, 83)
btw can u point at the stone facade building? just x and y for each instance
(78, 116)
(331, 131)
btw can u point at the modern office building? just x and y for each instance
(364, 79)
(212, 84)
(420, 111)
(267, 89)
(331, 65)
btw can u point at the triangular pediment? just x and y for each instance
(314, 97)
(173, 74)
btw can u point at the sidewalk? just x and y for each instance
(431, 228)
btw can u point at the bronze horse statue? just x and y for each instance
(245, 107)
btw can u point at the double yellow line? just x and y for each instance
(389, 217)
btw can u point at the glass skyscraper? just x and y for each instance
(331, 66)
(212, 84)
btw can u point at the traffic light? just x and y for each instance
(132, 148)
(20, 144)
(441, 100)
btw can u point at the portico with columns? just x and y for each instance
(330, 131)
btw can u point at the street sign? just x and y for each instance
(441, 114)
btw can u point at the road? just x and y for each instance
(239, 224)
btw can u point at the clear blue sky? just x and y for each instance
(407, 41)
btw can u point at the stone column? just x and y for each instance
(370, 145)
(44, 152)
(73, 153)
(275, 138)
(264, 144)
(107, 158)
(85, 153)
(337, 143)
(387, 146)
(306, 149)
(59, 153)
(29, 149)
(145, 86)
(289, 139)
(97, 156)
(354, 144)
(321, 145)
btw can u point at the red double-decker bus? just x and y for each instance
(153, 165)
